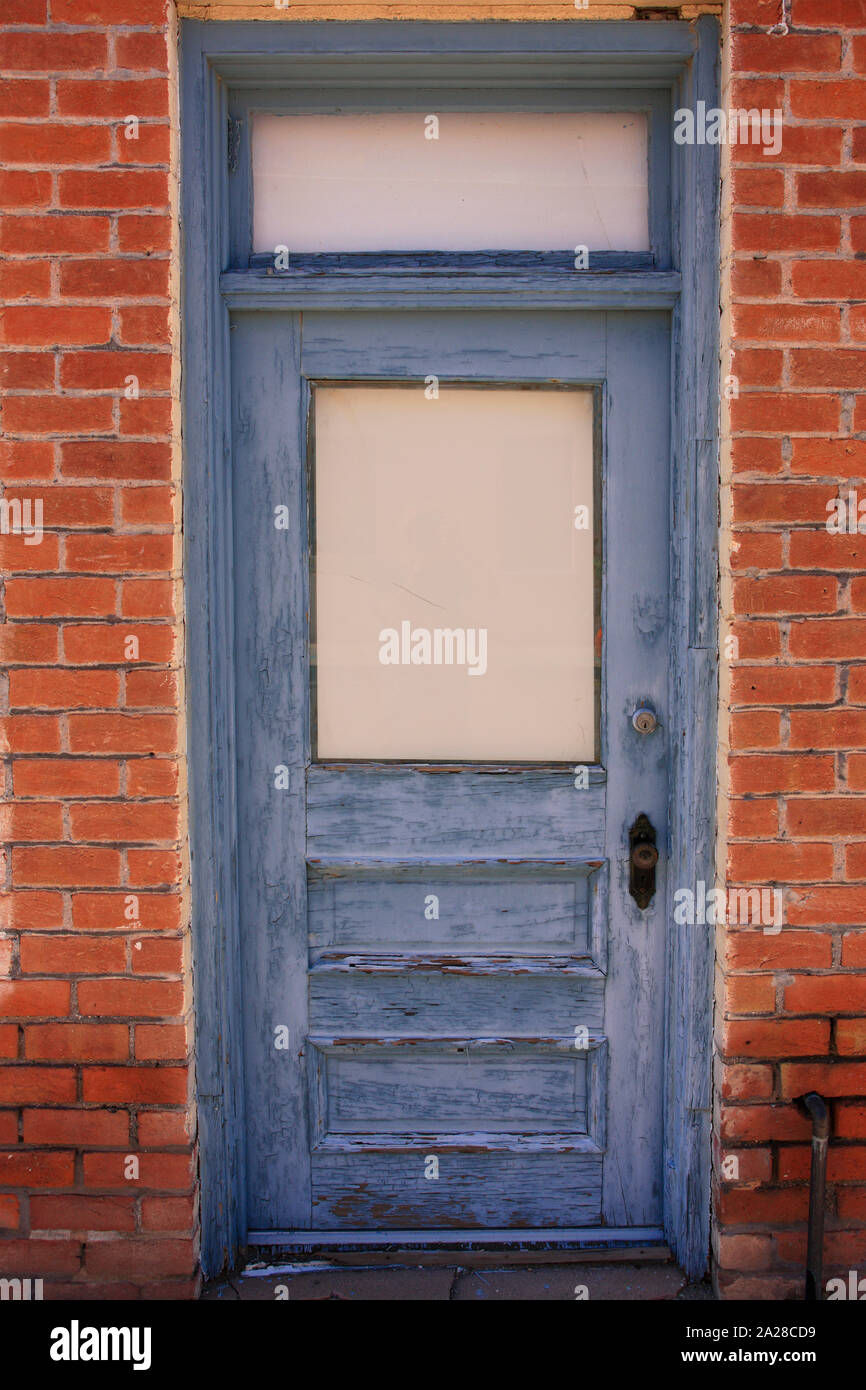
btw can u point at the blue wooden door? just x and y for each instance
(453, 1006)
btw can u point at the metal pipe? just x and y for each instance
(816, 1107)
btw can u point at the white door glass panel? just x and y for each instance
(454, 591)
(512, 181)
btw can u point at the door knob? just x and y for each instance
(643, 857)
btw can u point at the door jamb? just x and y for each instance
(684, 56)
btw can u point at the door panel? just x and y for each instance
(443, 960)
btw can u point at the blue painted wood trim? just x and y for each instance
(694, 671)
(495, 289)
(213, 54)
(210, 683)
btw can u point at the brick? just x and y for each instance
(27, 370)
(58, 955)
(775, 323)
(758, 640)
(146, 416)
(141, 1258)
(130, 998)
(122, 733)
(789, 53)
(31, 911)
(143, 325)
(785, 413)
(166, 1171)
(54, 144)
(124, 278)
(822, 906)
(780, 863)
(76, 1042)
(777, 1038)
(753, 994)
(826, 994)
(23, 51)
(151, 689)
(160, 1043)
(822, 550)
(107, 644)
(786, 594)
(24, 97)
(74, 1213)
(65, 867)
(153, 868)
(108, 371)
(850, 1042)
(783, 502)
(756, 278)
(752, 819)
(828, 1079)
(144, 232)
(22, 459)
(138, 1084)
(836, 638)
(120, 98)
(42, 689)
(17, 556)
(57, 233)
(141, 51)
(108, 12)
(159, 1127)
(152, 777)
(129, 188)
(10, 1212)
(30, 733)
(765, 1206)
(59, 598)
(118, 459)
(836, 189)
(167, 1213)
(753, 231)
(66, 777)
(55, 326)
(854, 949)
(765, 773)
(36, 1086)
(34, 998)
(755, 729)
(837, 279)
(38, 1257)
(790, 950)
(106, 912)
(835, 367)
(842, 100)
(119, 554)
(25, 188)
(31, 822)
(783, 685)
(75, 1128)
(759, 188)
(147, 506)
(828, 729)
(71, 507)
(827, 815)
(144, 822)
(147, 598)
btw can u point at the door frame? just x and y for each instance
(215, 56)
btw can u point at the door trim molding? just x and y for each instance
(681, 56)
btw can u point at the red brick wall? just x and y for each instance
(792, 1006)
(94, 1039)
(94, 1045)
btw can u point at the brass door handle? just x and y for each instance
(643, 857)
